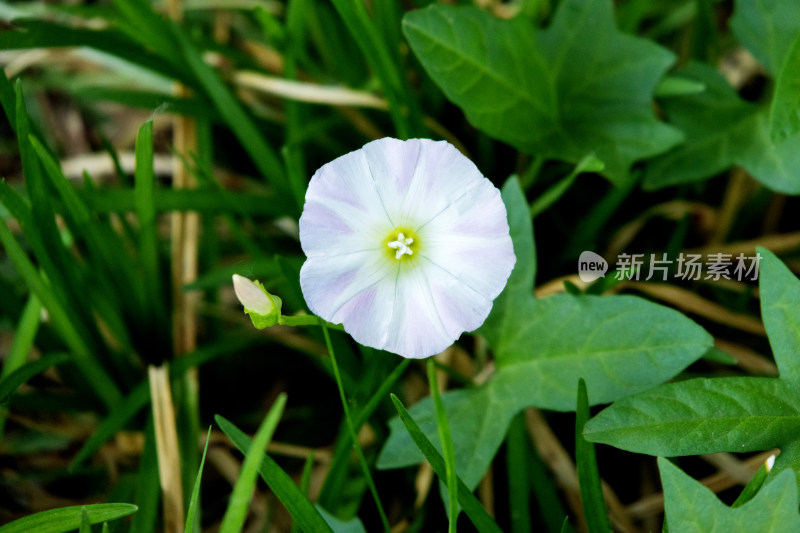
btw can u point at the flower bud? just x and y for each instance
(264, 308)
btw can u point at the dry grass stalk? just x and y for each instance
(169, 467)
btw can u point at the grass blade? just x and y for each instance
(519, 494)
(138, 399)
(353, 436)
(148, 485)
(472, 507)
(12, 382)
(298, 505)
(332, 489)
(102, 384)
(753, 486)
(207, 201)
(262, 154)
(144, 192)
(588, 163)
(86, 524)
(305, 481)
(142, 24)
(23, 337)
(594, 505)
(385, 64)
(447, 446)
(191, 516)
(106, 253)
(122, 413)
(233, 521)
(31, 33)
(68, 518)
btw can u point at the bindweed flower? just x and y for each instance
(264, 308)
(407, 244)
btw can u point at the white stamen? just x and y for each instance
(401, 245)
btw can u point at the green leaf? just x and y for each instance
(354, 525)
(520, 283)
(580, 86)
(789, 459)
(68, 518)
(24, 336)
(144, 192)
(194, 501)
(619, 344)
(767, 28)
(784, 113)
(469, 503)
(692, 508)
(239, 503)
(702, 416)
(86, 524)
(723, 130)
(780, 310)
(298, 505)
(500, 83)
(594, 505)
(478, 418)
(10, 383)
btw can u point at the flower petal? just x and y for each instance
(343, 212)
(355, 290)
(470, 240)
(418, 178)
(431, 310)
(252, 296)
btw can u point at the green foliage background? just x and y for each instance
(651, 127)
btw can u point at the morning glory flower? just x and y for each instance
(407, 245)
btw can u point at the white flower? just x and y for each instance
(407, 245)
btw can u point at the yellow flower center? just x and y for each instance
(401, 244)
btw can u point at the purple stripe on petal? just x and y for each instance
(323, 218)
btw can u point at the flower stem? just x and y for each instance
(447, 447)
(307, 320)
(351, 428)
